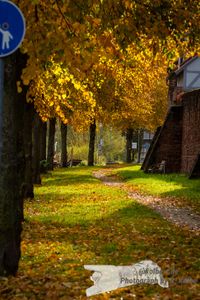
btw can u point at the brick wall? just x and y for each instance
(178, 140)
(191, 130)
(168, 144)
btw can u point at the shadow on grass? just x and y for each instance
(68, 176)
(131, 233)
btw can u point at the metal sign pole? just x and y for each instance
(1, 104)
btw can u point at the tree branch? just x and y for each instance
(64, 18)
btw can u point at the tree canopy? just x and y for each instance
(105, 59)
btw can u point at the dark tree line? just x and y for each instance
(12, 166)
(23, 147)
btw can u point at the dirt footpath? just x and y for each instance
(181, 216)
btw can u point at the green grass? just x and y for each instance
(163, 185)
(76, 220)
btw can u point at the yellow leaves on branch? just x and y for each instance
(131, 83)
(57, 92)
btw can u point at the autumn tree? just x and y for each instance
(12, 169)
(43, 139)
(28, 150)
(51, 143)
(37, 125)
(89, 32)
(63, 131)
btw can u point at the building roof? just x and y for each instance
(184, 64)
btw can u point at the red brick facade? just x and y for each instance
(168, 143)
(191, 130)
(178, 140)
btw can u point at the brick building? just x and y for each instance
(177, 141)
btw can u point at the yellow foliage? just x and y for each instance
(106, 60)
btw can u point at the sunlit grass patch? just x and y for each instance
(163, 185)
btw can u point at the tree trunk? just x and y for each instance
(129, 139)
(140, 136)
(36, 149)
(92, 144)
(43, 139)
(12, 171)
(51, 141)
(28, 125)
(63, 129)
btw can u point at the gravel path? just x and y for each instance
(181, 216)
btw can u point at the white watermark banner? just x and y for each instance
(107, 278)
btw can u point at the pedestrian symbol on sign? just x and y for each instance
(6, 37)
(12, 28)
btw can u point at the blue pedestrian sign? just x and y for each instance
(12, 28)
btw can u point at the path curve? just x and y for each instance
(181, 216)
